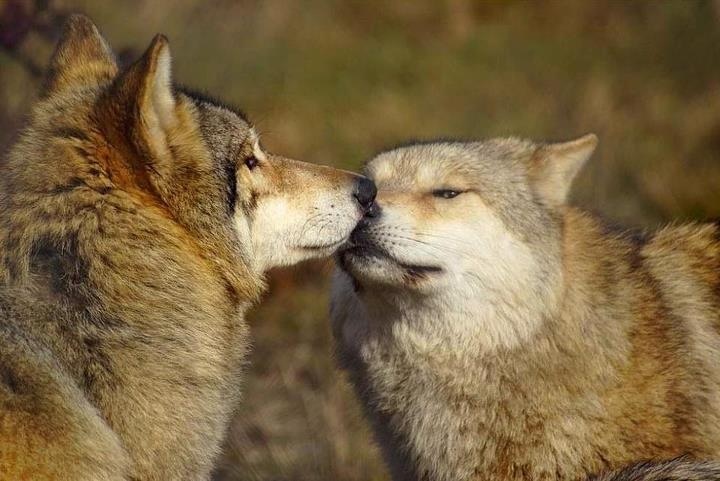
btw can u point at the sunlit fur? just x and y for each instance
(673, 470)
(501, 335)
(287, 211)
(133, 238)
(300, 211)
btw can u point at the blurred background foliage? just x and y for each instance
(335, 81)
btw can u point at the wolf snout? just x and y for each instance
(365, 192)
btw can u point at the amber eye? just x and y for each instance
(251, 162)
(446, 193)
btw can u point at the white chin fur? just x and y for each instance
(285, 231)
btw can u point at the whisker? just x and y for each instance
(418, 238)
(441, 251)
(310, 219)
(448, 238)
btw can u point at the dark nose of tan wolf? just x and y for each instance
(365, 192)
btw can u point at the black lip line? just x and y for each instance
(365, 250)
(420, 269)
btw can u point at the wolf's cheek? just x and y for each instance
(241, 223)
(270, 231)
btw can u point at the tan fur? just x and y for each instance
(502, 335)
(129, 257)
(673, 470)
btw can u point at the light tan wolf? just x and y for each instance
(136, 221)
(494, 333)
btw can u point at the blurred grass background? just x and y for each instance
(334, 81)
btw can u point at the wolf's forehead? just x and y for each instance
(421, 166)
(451, 164)
(221, 118)
(225, 130)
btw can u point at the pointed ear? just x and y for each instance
(81, 57)
(147, 90)
(554, 166)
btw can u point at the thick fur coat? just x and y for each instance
(136, 221)
(494, 333)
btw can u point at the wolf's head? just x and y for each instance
(101, 136)
(479, 218)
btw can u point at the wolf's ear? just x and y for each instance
(554, 166)
(146, 91)
(81, 57)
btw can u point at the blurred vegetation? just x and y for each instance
(335, 81)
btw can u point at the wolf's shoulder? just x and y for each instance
(681, 257)
(681, 262)
(698, 243)
(700, 240)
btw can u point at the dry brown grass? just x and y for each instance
(334, 81)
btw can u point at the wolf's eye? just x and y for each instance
(251, 162)
(446, 193)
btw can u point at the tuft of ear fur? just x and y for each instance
(81, 57)
(147, 91)
(554, 166)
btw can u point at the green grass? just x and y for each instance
(336, 81)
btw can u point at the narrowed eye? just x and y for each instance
(446, 193)
(251, 162)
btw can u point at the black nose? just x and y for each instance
(365, 192)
